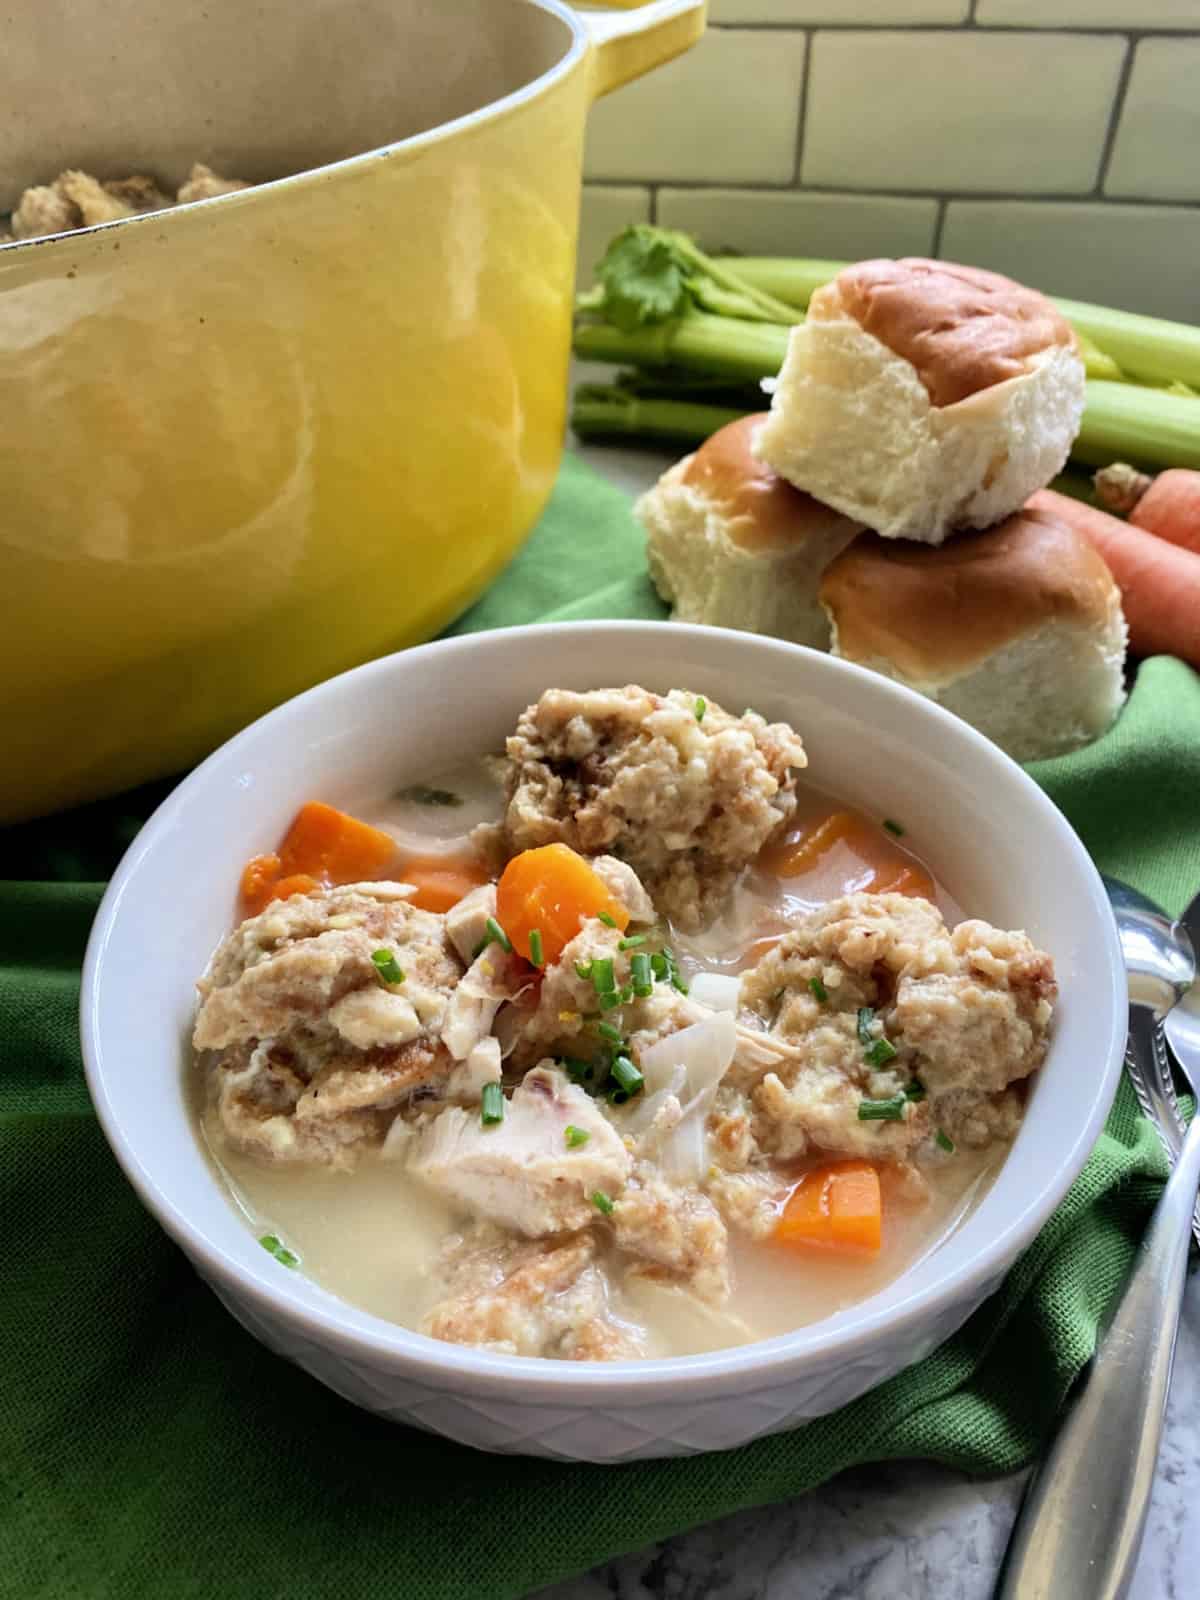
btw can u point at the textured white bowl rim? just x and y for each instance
(536, 1379)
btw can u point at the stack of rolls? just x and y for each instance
(878, 510)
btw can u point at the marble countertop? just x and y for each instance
(901, 1530)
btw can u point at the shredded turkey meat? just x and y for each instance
(673, 785)
(77, 200)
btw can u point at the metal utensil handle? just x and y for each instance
(1149, 1068)
(1080, 1526)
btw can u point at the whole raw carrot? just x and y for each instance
(1159, 582)
(1167, 505)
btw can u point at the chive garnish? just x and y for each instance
(607, 1031)
(700, 707)
(491, 1105)
(943, 1141)
(632, 942)
(658, 964)
(422, 795)
(583, 969)
(639, 971)
(880, 1053)
(603, 980)
(495, 934)
(609, 1002)
(607, 919)
(578, 1071)
(893, 827)
(535, 947)
(627, 1077)
(388, 968)
(602, 1203)
(882, 1110)
(280, 1251)
(866, 1016)
(819, 990)
(576, 1136)
(915, 1091)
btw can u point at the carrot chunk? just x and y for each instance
(837, 1208)
(295, 883)
(334, 847)
(903, 877)
(441, 881)
(552, 891)
(794, 855)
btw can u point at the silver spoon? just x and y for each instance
(1080, 1526)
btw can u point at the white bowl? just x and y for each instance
(999, 844)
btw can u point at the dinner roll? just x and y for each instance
(921, 396)
(731, 543)
(1018, 630)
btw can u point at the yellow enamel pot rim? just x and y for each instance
(589, 34)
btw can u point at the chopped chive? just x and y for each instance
(576, 1136)
(639, 971)
(943, 1141)
(819, 990)
(388, 968)
(420, 794)
(535, 947)
(609, 1002)
(602, 1203)
(497, 935)
(677, 980)
(627, 1076)
(880, 1053)
(658, 964)
(603, 980)
(893, 827)
(607, 1031)
(491, 1105)
(607, 919)
(915, 1091)
(279, 1250)
(578, 1071)
(632, 942)
(882, 1110)
(583, 969)
(700, 707)
(866, 1016)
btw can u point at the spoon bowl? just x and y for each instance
(1159, 959)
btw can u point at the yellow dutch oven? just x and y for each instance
(250, 442)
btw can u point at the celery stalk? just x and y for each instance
(1146, 348)
(792, 281)
(724, 346)
(602, 411)
(1148, 427)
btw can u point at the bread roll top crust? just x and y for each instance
(961, 328)
(763, 513)
(937, 611)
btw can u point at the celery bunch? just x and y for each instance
(682, 320)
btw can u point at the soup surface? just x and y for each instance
(665, 1050)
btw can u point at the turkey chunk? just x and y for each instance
(306, 1032)
(521, 1173)
(527, 1298)
(679, 789)
(878, 1001)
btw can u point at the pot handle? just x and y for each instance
(628, 42)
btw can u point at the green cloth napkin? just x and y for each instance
(149, 1447)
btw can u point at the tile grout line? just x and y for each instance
(1114, 117)
(939, 227)
(802, 113)
(763, 186)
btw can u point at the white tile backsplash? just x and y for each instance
(1157, 152)
(1060, 137)
(798, 12)
(1088, 13)
(768, 222)
(1142, 258)
(726, 112)
(965, 110)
